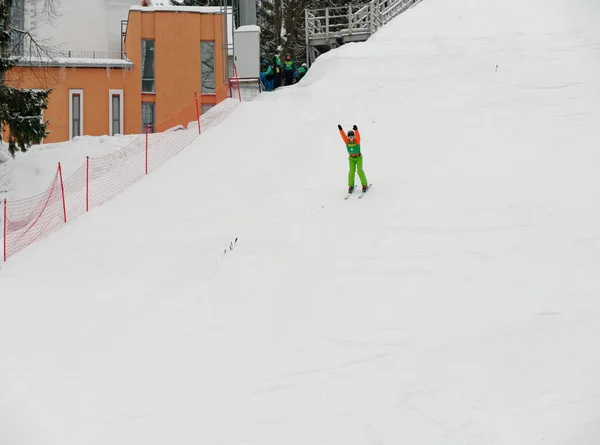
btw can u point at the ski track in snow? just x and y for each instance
(457, 304)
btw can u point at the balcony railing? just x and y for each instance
(28, 49)
(91, 54)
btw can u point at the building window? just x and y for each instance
(116, 116)
(75, 113)
(148, 116)
(206, 107)
(207, 67)
(115, 104)
(148, 83)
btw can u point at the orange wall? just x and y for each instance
(94, 81)
(133, 82)
(177, 37)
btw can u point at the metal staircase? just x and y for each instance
(328, 28)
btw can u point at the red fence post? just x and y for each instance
(62, 190)
(146, 148)
(5, 230)
(197, 112)
(238, 81)
(87, 184)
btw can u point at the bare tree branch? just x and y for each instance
(50, 10)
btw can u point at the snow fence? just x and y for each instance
(100, 179)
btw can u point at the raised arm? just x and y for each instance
(342, 134)
(356, 134)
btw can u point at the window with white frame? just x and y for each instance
(115, 115)
(75, 113)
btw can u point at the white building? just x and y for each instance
(79, 26)
(82, 28)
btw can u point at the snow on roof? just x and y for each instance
(75, 62)
(195, 9)
(248, 28)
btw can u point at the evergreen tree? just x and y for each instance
(265, 19)
(293, 24)
(20, 110)
(282, 24)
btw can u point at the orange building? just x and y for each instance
(169, 55)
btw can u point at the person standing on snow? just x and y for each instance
(261, 75)
(288, 70)
(355, 159)
(277, 70)
(267, 73)
(301, 72)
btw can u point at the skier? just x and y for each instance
(355, 159)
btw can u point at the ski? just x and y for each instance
(363, 193)
(348, 194)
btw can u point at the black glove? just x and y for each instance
(354, 127)
(339, 127)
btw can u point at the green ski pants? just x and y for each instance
(356, 164)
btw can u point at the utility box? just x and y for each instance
(246, 50)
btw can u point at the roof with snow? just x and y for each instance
(194, 9)
(75, 62)
(248, 28)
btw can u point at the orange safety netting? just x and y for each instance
(100, 179)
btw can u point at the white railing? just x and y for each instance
(67, 54)
(333, 22)
(353, 19)
(27, 48)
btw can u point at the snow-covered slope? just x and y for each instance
(457, 303)
(31, 173)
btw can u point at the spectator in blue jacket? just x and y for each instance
(301, 72)
(266, 74)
